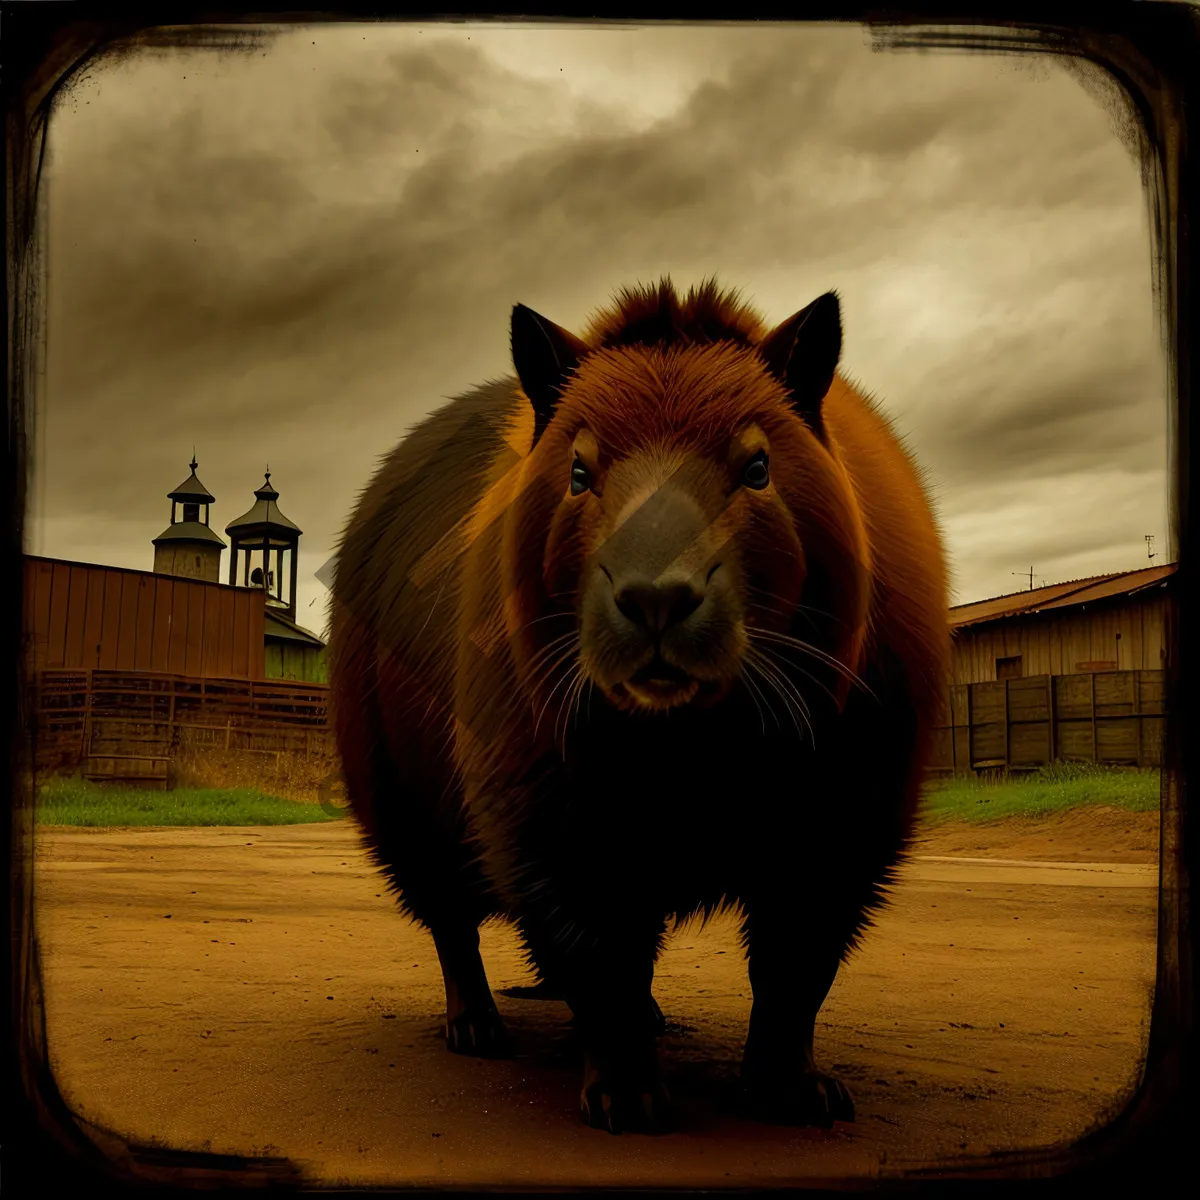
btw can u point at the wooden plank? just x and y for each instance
(93, 627)
(1151, 693)
(1051, 720)
(160, 641)
(988, 702)
(143, 650)
(1135, 645)
(1029, 744)
(1115, 693)
(962, 748)
(1117, 740)
(1075, 740)
(1027, 699)
(110, 621)
(1007, 724)
(194, 635)
(1093, 717)
(56, 633)
(942, 750)
(221, 661)
(177, 651)
(1072, 697)
(242, 662)
(127, 630)
(257, 627)
(987, 742)
(76, 617)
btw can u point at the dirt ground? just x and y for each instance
(252, 990)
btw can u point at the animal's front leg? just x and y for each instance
(606, 980)
(793, 962)
(610, 997)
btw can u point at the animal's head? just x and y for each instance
(684, 506)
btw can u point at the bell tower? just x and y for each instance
(188, 548)
(262, 552)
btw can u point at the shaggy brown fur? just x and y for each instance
(660, 629)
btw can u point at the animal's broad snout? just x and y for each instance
(655, 605)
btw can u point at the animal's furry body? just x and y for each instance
(498, 765)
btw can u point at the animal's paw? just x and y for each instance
(630, 1109)
(803, 1098)
(625, 1094)
(479, 1032)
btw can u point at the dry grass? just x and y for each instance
(276, 773)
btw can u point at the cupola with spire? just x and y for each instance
(188, 548)
(259, 540)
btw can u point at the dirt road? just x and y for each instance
(253, 990)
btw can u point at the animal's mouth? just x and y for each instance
(658, 673)
(660, 684)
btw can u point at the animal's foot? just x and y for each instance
(803, 1098)
(479, 1032)
(626, 1110)
(624, 1102)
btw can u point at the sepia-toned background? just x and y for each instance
(288, 255)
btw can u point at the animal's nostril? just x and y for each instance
(657, 605)
(686, 603)
(630, 607)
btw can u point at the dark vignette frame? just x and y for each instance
(1149, 50)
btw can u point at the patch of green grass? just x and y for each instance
(1052, 789)
(80, 802)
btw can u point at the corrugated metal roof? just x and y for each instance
(279, 626)
(1060, 595)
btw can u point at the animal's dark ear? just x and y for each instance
(803, 355)
(544, 354)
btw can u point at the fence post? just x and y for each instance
(85, 736)
(1095, 740)
(1051, 727)
(970, 727)
(1007, 726)
(228, 727)
(1137, 712)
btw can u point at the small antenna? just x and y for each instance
(1026, 575)
(1150, 546)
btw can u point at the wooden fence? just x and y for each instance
(129, 725)
(1113, 717)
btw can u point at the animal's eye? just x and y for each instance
(755, 473)
(581, 479)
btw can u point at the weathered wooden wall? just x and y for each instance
(1113, 717)
(1131, 635)
(289, 660)
(87, 617)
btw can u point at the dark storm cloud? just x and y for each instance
(293, 257)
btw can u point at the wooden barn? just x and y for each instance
(1068, 672)
(127, 667)
(1105, 623)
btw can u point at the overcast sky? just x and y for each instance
(288, 256)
